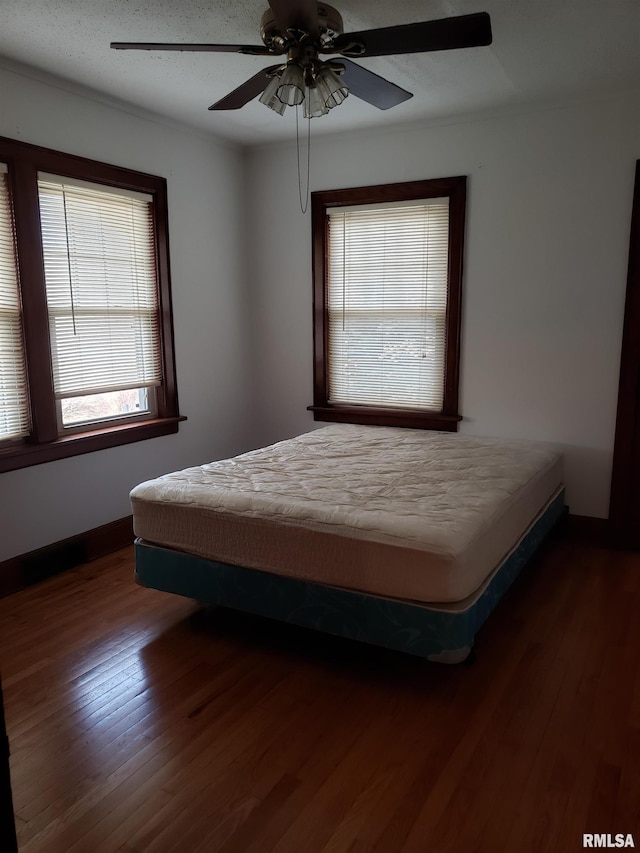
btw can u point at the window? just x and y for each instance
(14, 409)
(86, 342)
(387, 264)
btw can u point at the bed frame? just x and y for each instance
(440, 633)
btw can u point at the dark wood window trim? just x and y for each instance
(624, 508)
(447, 419)
(44, 444)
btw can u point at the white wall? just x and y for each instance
(548, 215)
(46, 503)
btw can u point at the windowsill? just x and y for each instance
(386, 417)
(24, 454)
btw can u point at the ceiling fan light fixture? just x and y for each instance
(291, 85)
(270, 96)
(331, 87)
(314, 105)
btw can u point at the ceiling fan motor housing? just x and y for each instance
(329, 25)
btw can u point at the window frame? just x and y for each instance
(447, 418)
(45, 443)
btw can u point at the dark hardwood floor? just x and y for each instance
(139, 721)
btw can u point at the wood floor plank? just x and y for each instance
(145, 723)
(150, 762)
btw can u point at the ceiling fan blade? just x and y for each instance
(372, 88)
(246, 92)
(252, 49)
(445, 34)
(296, 15)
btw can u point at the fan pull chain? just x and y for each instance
(303, 204)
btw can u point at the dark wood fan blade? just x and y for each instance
(253, 49)
(372, 88)
(445, 34)
(296, 15)
(245, 93)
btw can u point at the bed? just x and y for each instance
(402, 538)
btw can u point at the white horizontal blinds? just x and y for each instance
(100, 274)
(14, 403)
(387, 301)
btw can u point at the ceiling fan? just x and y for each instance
(304, 29)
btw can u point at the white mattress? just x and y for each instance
(410, 514)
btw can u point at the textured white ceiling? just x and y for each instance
(543, 51)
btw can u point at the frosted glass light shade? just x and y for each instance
(293, 85)
(331, 88)
(314, 105)
(291, 88)
(270, 96)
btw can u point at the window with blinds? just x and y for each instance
(14, 405)
(100, 275)
(387, 302)
(86, 328)
(387, 275)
